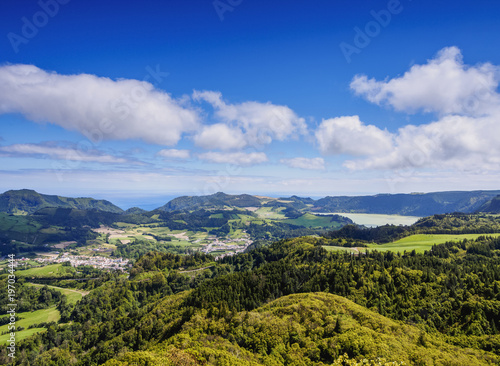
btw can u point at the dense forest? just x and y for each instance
(289, 303)
(454, 223)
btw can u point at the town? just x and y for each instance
(106, 263)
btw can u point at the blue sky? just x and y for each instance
(137, 102)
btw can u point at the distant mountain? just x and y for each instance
(27, 201)
(416, 204)
(491, 206)
(217, 200)
(135, 211)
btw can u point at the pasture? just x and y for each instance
(28, 318)
(51, 270)
(422, 242)
(72, 295)
(310, 220)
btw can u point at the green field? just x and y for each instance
(47, 271)
(17, 223)
(40, 316)
(422, 242)
(73, 295)
(310, 220)
(270, 213)
(35, 317)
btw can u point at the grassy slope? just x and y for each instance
(29, 318)
(423, 242)
(49, 270)
(17, 223)
(72, 294)
(40, 316)
(270, 213)
(309, 220)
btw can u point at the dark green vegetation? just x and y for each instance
(290, 303)
(31, 298)
(26, 201)
(219, 200)
(21, 234)
(455, 223)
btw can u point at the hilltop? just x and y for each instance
(27, 201)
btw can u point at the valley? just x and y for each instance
(252, 280)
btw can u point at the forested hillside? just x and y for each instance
(285, 304)
(27, 201)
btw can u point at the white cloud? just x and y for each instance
(348, 135)
(305, 163)
(98, 107)
(463, 138)
(261, 122)
(444, 85)
(236, 158)
(174, 154)
(60, 153)
(453, 142)
(220, 136)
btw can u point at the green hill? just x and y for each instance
(216, 200)
(300, 329)
(290, 303)
(415, 204)
(26, 201)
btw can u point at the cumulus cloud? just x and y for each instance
(453, 142)
(463, 137)
(98, 107)
(444, 85)
(174, 154)
(348, 135)
(261, 123)
(236, 158)
(305, 163)
(60, 153)
(220, 136)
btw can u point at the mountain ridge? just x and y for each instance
(409, 204)
(28, 201)
(491, 206)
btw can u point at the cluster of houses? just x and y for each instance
(83, 260)
(227, 246)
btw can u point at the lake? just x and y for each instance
(373, 220)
